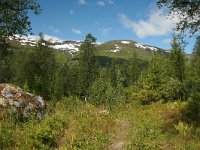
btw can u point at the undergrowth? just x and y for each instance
(72, 124)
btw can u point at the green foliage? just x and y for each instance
(177, 58)
(178, 62)
(88, 129)
(189, 12)
(193, 111)
(90, 39)
(39, 69)
(32, 134)
(14, 17)
(183, 128)
(5, 70)
(101, 91)
(6, 135)
(152, 83)
(158, 126)
(26, 87)
(127, 51)
(172, 89)
(132, 70)
(72, 124)
(87, 64)
(44, 135)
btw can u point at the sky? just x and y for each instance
(137, 20)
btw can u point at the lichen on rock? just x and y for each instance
(22, 103)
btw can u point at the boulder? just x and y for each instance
(22, 103)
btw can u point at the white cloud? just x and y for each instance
(76, 31)
(167, 41)
(54, 30)
(104, 2)
(81, 2)
(96, 23)
(156, 24)
(71, 12)
(105, 31)
(46, 37)
(110, 1)
(101, 3)
(50, 37)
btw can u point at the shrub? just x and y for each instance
(192, 111)
(101, 91)
(183, 129)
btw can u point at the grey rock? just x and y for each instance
(22, 103)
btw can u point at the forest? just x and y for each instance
(99, 104)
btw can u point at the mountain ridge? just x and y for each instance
(112, 48)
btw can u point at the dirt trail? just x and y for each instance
(118, 141)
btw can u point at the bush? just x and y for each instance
(183, 129)
(192, 111)
(32, 134)
(44, 134)
(101, 91)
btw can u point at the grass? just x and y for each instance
(72, 124)
(126, 50)
(159, 126)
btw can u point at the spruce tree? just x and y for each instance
(193, 111)
(40, 68)
(177, 58)
(87, 63)
(101, 90)
(132, 69)
(151, 83)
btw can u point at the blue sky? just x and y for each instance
(138, 20)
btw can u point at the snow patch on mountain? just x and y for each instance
(125, 42)
(55, 43)
(140, 45)
(116, 50)
(117, 47)
(66, 46)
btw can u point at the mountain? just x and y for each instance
(115, 49)
(66, 46)
(127, 48)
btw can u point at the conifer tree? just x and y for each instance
(40, 68)
(132, 69)
(87, 63)
(152, 81)
(101, 90)
(177, 58)
(193, 112)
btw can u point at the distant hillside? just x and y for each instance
(126, 49)
(120, 49)
(115, 49)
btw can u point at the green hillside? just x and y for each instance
(125, 50)
(117, 49)
(16, 47)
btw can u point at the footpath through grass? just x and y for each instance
(156, 127)
(71, 124)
